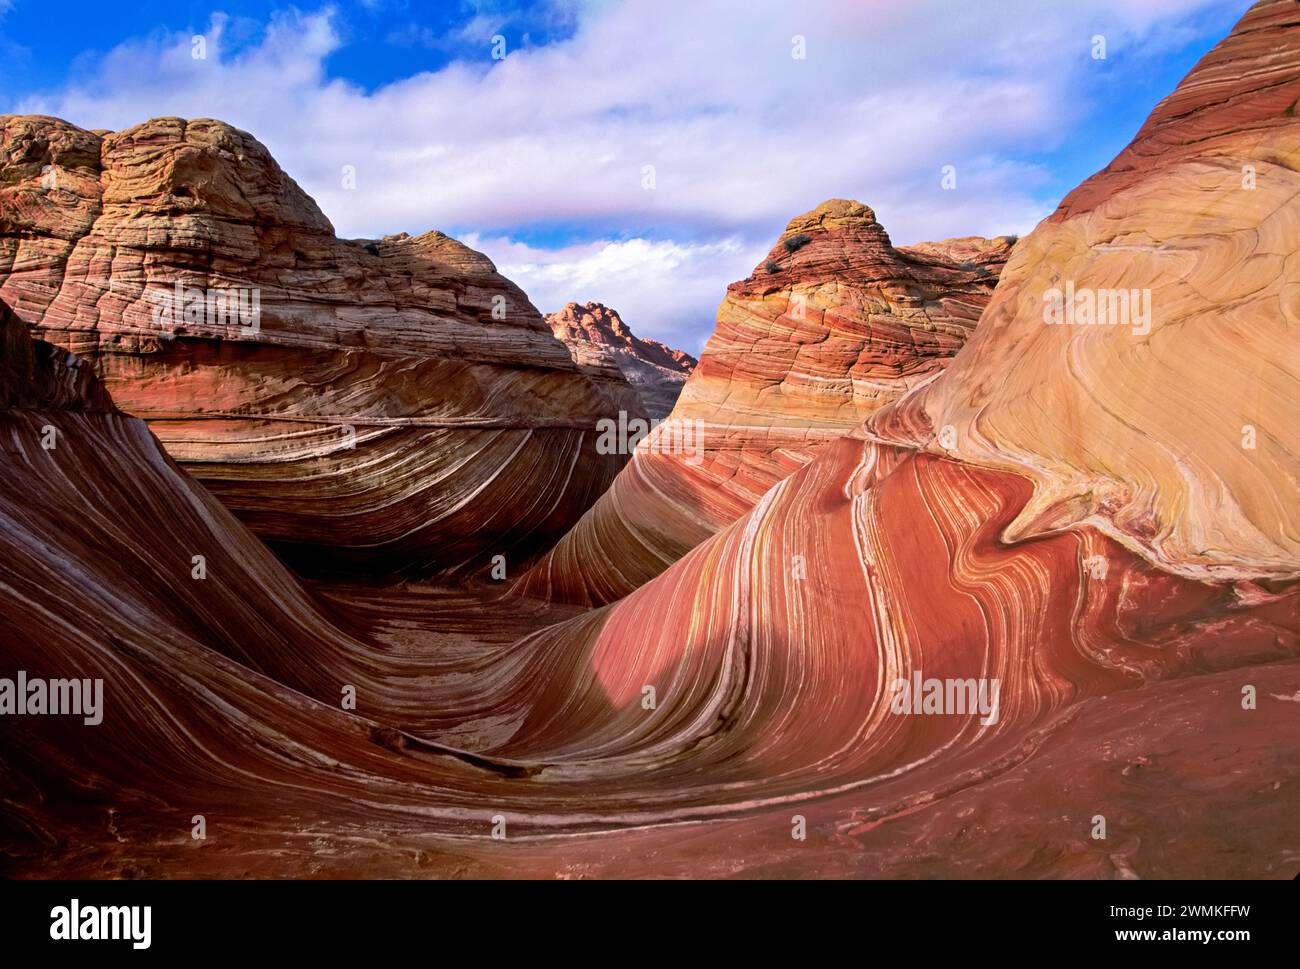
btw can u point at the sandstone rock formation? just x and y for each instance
(593, 331)
(1067, 514)
(832, 325)
(221, 677)
(1109, 662)
(370, 405)
(109, 553)
(1160, 406)
(38, 374)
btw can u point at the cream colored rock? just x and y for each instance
(1173, 426)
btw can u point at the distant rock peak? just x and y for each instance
(598, 339)
(842, 238)
(834, 214)
(840, 324)
(598, 323)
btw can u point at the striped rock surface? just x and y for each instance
(397, 405)
(835, 323)
(776, 652)
(1162, 410)
(1097, 525)
(773, 651)
(221, 694)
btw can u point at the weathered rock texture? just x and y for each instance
(1176, 435)
(398, 405)
(222, 677)
(594, 332)
(101, 537)
(832, 325)
(1136, 679)
(1098, 539)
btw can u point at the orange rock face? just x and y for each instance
(1139, 361)
(593, 331)
(1071, 511)
(388, 405)
(221, 693)
(163, 576)
(834, 324)
(945, 644)
(220, 676)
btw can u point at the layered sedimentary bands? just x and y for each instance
(1054, 632)
(357, 403)
(593, 333)
(1139, 362)
(832, 325)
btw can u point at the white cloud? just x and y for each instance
(741, 135)
(665, 289)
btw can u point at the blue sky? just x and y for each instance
(540, 158)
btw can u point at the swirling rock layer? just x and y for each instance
(397, 405)
(736, 715)
(221, 694)
(1171, 427)
(835, 323)
(593, 332)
